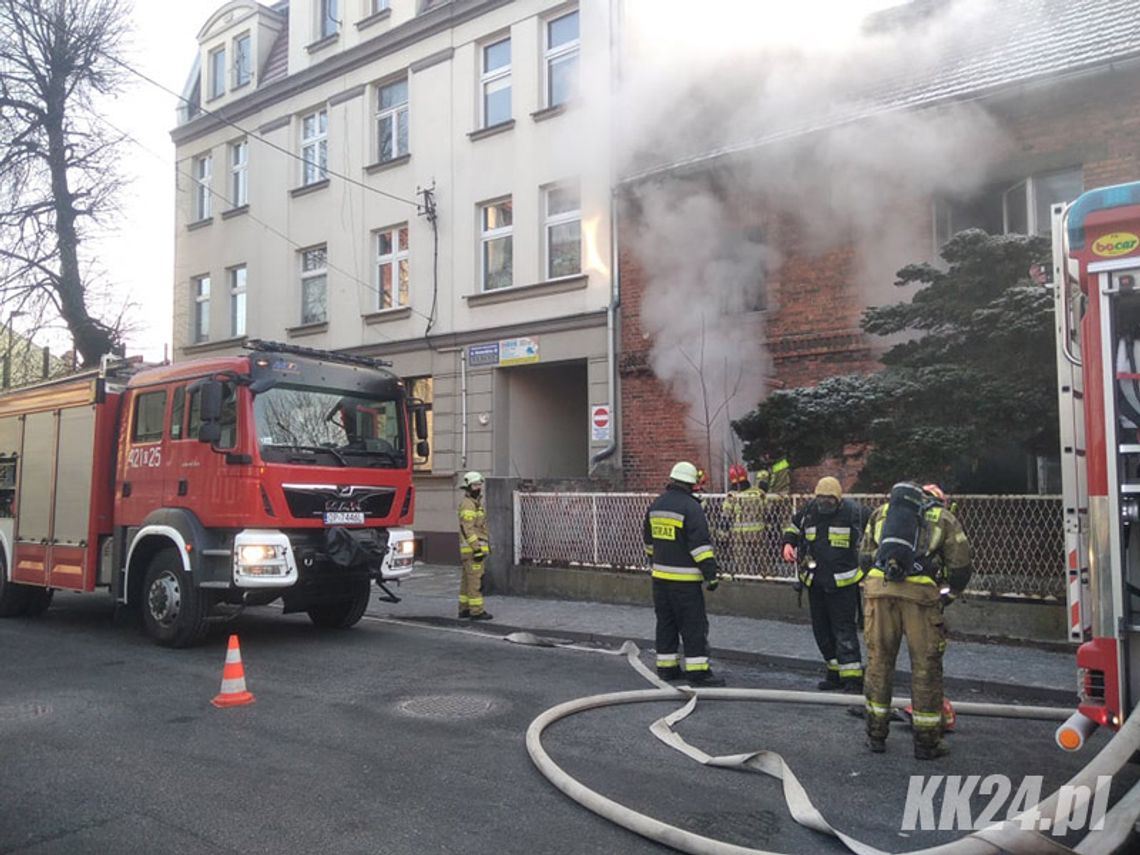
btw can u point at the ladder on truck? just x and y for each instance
(1074, 465)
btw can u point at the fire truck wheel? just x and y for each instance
(38, 600)
(13, 597)
(174, 611)
(342, 614)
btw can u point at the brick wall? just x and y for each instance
(817, 297)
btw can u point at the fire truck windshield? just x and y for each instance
(298, 424)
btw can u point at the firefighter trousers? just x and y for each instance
(681, 617)
(471, 586)
(833, 622)
(893, 610)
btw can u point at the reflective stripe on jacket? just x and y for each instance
(943, 552)
(833, 541)
(473, 526)
(676, 535)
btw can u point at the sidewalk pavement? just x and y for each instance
(1027, 674)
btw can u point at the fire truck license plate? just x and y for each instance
(344, 517)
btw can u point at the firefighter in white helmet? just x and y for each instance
(474, 546)
(676, 535)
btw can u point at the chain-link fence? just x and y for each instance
(1018, 540)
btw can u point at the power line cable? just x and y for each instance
(259, 137)
(266, 226)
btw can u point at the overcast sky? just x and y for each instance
(139, 260)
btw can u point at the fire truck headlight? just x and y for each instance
(406, 547)
(256, 553)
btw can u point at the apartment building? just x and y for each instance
(426, 182)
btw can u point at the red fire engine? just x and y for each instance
(191, 489)
(1096, 266)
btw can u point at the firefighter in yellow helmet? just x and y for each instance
(676, 535)
(823, 539)
(918, 560)
(744, 512)
(474, 546)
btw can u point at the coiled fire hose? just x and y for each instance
(1007, 836)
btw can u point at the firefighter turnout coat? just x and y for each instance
(677, 541)
(474, 545)
(833, 541)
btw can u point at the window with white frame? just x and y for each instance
(203, 167)
(239, 173)
(377, 6)
(314, 285)
(561, 59)
(563, 213)
(237, 300)
(329, 18)
(217, 71)
(315, 147)
(1020, 206)
(200, 289)
(392, 120)
(496, 220)
(243, 61)
(392, 267)
(495, 81)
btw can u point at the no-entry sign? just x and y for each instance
(600, 422)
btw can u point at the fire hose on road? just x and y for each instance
(1007, 836)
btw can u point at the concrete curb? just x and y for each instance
(1005, 691)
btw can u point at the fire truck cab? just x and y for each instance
(190, 489)
(1096, 271)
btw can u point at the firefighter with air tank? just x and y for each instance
(918, 560)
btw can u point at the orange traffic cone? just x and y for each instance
(233, 693)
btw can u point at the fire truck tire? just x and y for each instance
(174, 611)
(37, 601)
(342, 614)
(13, 597)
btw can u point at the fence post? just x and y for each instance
(594, 516)
(517, 510)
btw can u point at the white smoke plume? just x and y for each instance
(792, 102)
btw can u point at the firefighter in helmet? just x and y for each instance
(744, 512)
(780, 476)
(676, 535)
(474, 546)
(823, 539)
(918, 561)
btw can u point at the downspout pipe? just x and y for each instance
(611, 448)
(611, 338)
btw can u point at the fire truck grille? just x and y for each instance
(314, 503)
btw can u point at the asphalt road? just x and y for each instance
(401, 738)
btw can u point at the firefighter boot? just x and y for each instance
(672, 673)
(705, 679)
(878, 726)
(465, 613)
(929, 746)
(831, 682)
(480, 616)
(852, 685)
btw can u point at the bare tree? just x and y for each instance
(714, 414)
(58, 177)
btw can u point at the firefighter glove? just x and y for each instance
(789, 553)
(947, 598)
(712, 584)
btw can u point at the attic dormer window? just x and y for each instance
(217, 71)
(242, 65)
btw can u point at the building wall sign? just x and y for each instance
(483, 354)
(600, 423)
(518, 351)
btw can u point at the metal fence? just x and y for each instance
(1018, 540)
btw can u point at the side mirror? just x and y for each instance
(419, 417)
(210, 394)
(422, 449)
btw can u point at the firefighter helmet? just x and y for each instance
(737, 474)
(471, 479)
(829, 486)
(685, 472)
(935, 492)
